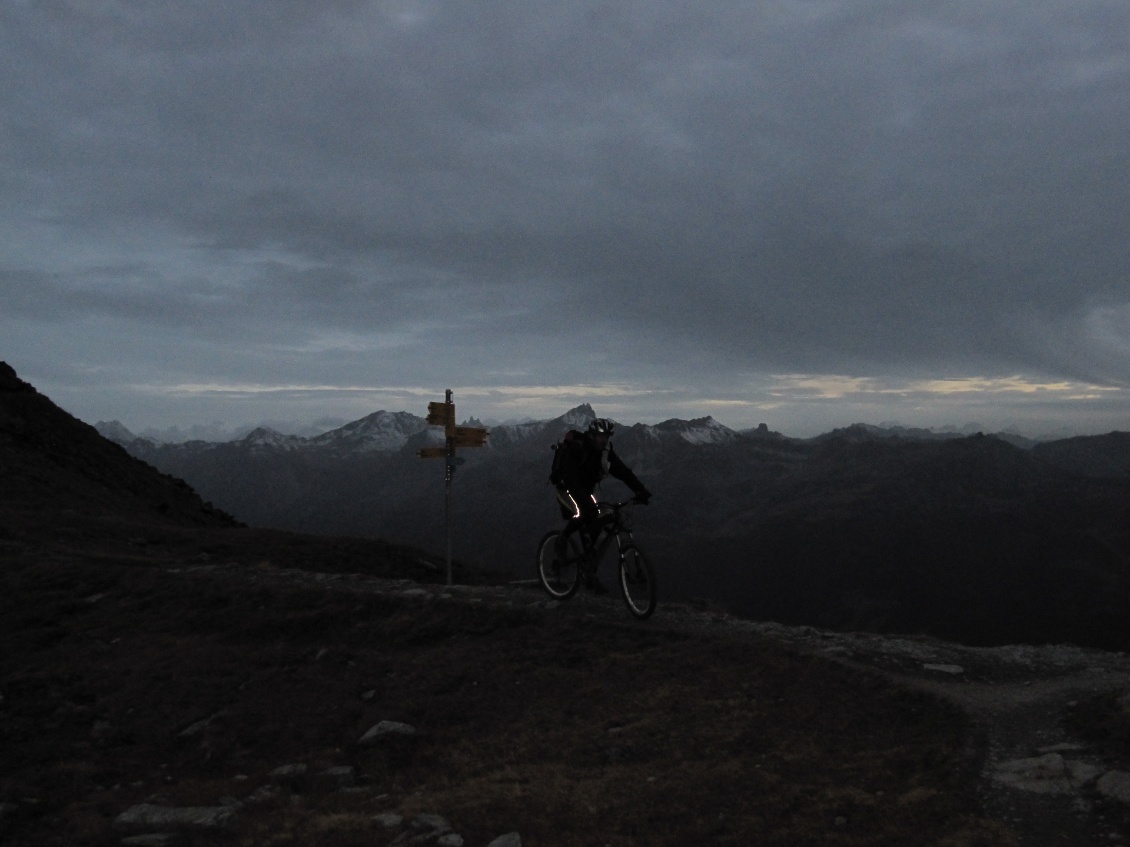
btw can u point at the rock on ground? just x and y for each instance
(1115, 784)
(385, 729)
(197, 817)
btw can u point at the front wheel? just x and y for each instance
(637, 582)
(559, 576)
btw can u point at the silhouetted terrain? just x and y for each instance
(167, 673)
(51, 458)
(1102, 456)
(970, 539)
(967, 538)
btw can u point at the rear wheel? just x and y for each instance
(637, 582)
(559, 576)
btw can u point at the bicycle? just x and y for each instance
(561, 577)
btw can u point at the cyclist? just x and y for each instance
(583, 460)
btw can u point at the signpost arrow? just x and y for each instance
(469, 436)
(442, 414)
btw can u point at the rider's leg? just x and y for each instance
(570, 511)
(582, 514)
(586, 521)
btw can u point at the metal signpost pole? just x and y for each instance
(449, 472)
(443, 414)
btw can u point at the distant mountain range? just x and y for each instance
(980, 538)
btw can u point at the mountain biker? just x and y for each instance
(585, 459)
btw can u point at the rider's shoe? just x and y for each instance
(588, 563)
(560, 551)
(593, 584)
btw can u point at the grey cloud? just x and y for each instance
(837, 186)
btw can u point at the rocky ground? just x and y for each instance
(1052, 718)
(159, 690)
(1056, 758)
(231, 699)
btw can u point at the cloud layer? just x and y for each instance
(691, 201)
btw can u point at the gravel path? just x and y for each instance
(1044, 784)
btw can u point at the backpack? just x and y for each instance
(559, 456)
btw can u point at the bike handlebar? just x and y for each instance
(631, 501)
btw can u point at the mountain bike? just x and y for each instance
(562, 576)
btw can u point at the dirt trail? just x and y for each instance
(1036, 777)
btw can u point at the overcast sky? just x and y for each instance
(802, 212)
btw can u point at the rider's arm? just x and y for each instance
(622, 472)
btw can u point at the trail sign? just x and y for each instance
(443, 414)
(469, 436)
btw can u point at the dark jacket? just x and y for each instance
(583, 465)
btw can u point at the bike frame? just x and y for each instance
(612, 528)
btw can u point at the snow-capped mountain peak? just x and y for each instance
(698, 431)
(579, 417)
(381, 431)
(265, 438)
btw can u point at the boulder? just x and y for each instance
(386, 729)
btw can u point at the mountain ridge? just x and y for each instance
(388, 431)
(860, 528)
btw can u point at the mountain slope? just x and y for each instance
(1103, 456)
(48, 459)
(968, 538)
(380, 431)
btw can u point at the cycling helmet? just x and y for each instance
(601, 426)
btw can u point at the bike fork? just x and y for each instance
(621, 544)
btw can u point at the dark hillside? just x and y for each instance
(968, 539)
(169, 678)
(68, 491)
(49, 457)
(1104, 456)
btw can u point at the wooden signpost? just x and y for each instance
(443, 414)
